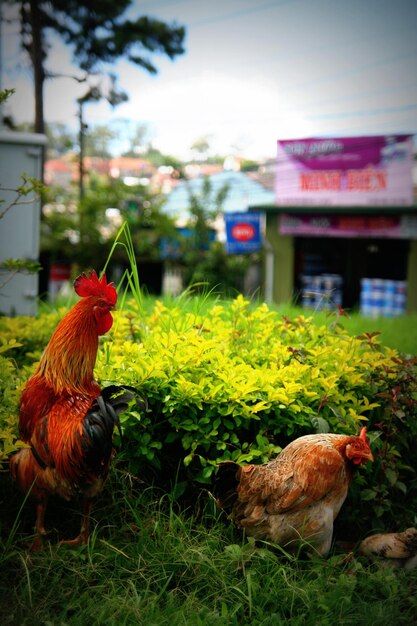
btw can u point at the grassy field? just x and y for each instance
(149, 562)
(396, 332)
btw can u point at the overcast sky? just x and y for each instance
(253, 72)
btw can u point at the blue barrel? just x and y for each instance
(366, 297)
(389, 299)
(400, 297)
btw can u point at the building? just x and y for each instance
(344, 212)
(20, 220)
(243, 191)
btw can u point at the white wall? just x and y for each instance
(20, 153)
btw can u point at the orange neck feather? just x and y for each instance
(67, 363)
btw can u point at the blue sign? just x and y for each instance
(171, 248)
(243, 232)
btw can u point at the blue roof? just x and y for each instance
(243, 192)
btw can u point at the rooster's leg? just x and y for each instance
(85, 527)
(37, 543)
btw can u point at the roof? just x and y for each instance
(57, 165)
(132, 164)
(243, 192)
(347, 210)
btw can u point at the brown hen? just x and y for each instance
(296, 497)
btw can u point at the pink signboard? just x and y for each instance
(349, 171)
(394, 227)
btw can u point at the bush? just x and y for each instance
(10, 382)
(239, 382)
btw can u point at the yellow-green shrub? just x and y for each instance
(10, 381)
(240, 381)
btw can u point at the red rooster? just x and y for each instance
(296, 497)
(64, 416)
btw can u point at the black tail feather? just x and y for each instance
(101, 419)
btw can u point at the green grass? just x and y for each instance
(149, 563)
(396, 332)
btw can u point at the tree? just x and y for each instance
(158, 158)
(98, 140)
(204, 207)
(201, 146)
(98, 34)
(138, 141)
(82, 231)
(60, 139)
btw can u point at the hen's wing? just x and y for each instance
(298, 477)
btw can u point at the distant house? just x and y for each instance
(58, 173)
(98, 165)
(243, 192)
(133, 171)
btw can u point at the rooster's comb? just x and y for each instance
(91, 285)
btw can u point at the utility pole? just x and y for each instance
(81, 155)
(114, 97)
(92, 94)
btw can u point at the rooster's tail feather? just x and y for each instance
(103, 416)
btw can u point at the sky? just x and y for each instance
(253, 72)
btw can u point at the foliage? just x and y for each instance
(231, 383)
(98, 140)
(394, 483)
(31, 334)
(10, 381)
(201, 145)
(157, 158)
(147, 563)
(218, 271)
(205, 262)
(239, 381)
(61, 139)
(249, 166)
(20, 265)
(5, 94)
(99, 37)
(397, 332)
(25, 194)
(82, 232)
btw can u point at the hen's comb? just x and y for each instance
(91, 285)
(363, 434)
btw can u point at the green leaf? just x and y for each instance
(368, 494)
(401, 486)
(391, 475)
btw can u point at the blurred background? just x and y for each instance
(257, 147)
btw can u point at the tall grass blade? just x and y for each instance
(131, 275)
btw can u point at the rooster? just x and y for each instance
(296, 497)
(65, 417)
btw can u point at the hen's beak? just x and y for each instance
(367, 456)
